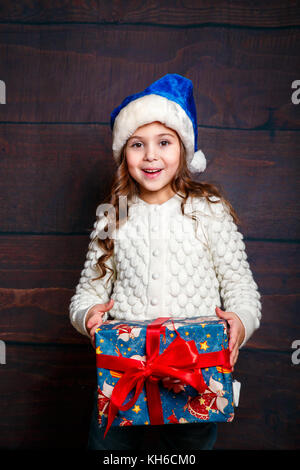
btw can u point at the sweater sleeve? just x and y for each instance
(238, 289)
(90, 292)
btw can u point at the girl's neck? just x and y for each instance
(156, 197)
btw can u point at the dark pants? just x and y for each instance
(190, 436)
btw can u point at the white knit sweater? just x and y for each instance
(166, 264)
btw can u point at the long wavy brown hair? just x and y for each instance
(124, 185)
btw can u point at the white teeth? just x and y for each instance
(151, 171)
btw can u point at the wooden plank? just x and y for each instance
(48, 391)
(43, 252)
(39, 278)
(242, 76)
(249, 166)
(62, 172)
(53, 177)
(38, 315)
(46, 397)
(42, 261)
(280, 324)
(167, 12)
(41, 315)
(268, 414)
(275, 266)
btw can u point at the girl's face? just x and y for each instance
(153, 147)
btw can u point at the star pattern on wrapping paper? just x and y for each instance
(204, 345)
(136, 409)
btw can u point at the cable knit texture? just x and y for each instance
(166, 264)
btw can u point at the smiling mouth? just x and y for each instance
(153, 171)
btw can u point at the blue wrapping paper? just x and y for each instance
(181, 403)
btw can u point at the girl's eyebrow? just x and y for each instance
(158, 135)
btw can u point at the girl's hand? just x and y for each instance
(94, 318)
(236, 333)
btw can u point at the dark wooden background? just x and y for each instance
(66, 65)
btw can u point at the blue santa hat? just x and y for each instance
(170, 101)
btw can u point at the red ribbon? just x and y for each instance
(179, 360)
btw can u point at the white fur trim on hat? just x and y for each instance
(198, 162)
(151, 108)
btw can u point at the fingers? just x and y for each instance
(102, 307)
(222, 314)
(92, 334)
(234, 356)
(233, 336)
(94, 318)
(107, 306)
(233, 344)
(93, 329)
(95, 314)
(93, 321)
(92, 325)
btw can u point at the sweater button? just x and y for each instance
(155, 276)
(155, 252)
(154, 228)
(154, 301)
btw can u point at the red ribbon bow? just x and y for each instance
(180, 360)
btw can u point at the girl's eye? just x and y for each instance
(164, 143)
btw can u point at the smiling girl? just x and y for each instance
(153, 156)
(177, 252)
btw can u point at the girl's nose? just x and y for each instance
(151, 153)
(150, 157)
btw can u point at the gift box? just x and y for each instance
(164, 371)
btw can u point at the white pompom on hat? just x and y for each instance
(170, 101)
